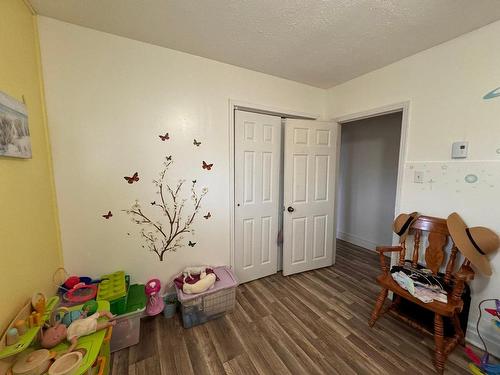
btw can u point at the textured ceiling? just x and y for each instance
(318, 42)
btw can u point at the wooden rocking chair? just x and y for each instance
(434, 256)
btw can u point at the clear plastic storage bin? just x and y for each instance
(199, 308)
(127, 330)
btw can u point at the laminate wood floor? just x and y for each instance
(310, 323)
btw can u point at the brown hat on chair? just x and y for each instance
(402, 224)
(474, 243)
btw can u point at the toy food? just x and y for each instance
(38, 302)
(67, 364)
(34, 363)
(20, 325)
(12, 336)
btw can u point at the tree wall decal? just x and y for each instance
(168, 233)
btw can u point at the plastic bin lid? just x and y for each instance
(227, 280)
(136, 298)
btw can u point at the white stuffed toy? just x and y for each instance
(198, 270)
(202, 285)
(206, 281)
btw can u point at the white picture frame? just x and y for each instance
(15, 140)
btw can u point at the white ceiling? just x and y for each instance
(318, 42)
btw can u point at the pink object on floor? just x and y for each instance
(472, 356)
(155, 302)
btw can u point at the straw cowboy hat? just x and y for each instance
(474, 243)
(402, 224)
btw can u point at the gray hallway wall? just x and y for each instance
(368, 175)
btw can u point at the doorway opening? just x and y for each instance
(370, 168)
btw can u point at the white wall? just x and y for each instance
(445, 86)
(108, 99)
(369, 155)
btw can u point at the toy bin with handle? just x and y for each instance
(199, 308)
(127, 330)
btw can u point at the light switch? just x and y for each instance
(459, 150)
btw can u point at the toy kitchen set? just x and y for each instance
(72, 333)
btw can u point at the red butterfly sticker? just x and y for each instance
(206, 166)
(132, 179)
(165, 137)
(207, 216)
(108, 215)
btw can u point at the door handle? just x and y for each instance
(290, 209)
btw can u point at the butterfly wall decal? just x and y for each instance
(194, 182)
(108, 215)
(169, 157)
(206, 166)
(190, 243)
(132, 179)
(165, 137)
(207, 216)
(153, 203)
(196, 143)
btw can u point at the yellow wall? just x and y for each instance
(29, 233)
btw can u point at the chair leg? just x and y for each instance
(379, 303)
(439, 343)
(458, 329)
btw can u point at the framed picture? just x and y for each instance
(14, 132)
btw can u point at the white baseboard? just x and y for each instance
(490, 336)
(356, 240)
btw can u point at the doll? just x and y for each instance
(86, 326)
(80, 327)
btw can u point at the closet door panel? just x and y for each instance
(309, 183)
(257, 174)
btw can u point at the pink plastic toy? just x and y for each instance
(155, 302)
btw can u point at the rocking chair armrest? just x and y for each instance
(386, 249)
(465, 274)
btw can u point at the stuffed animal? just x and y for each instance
(198, 270)
(206, 282)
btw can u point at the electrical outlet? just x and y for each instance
(418, 177)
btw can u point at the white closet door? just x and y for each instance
(257, 167)
(309, 191)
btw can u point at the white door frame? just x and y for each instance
(259, 108)
(403, 107)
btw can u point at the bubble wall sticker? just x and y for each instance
(492, 94)
(471, 178)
